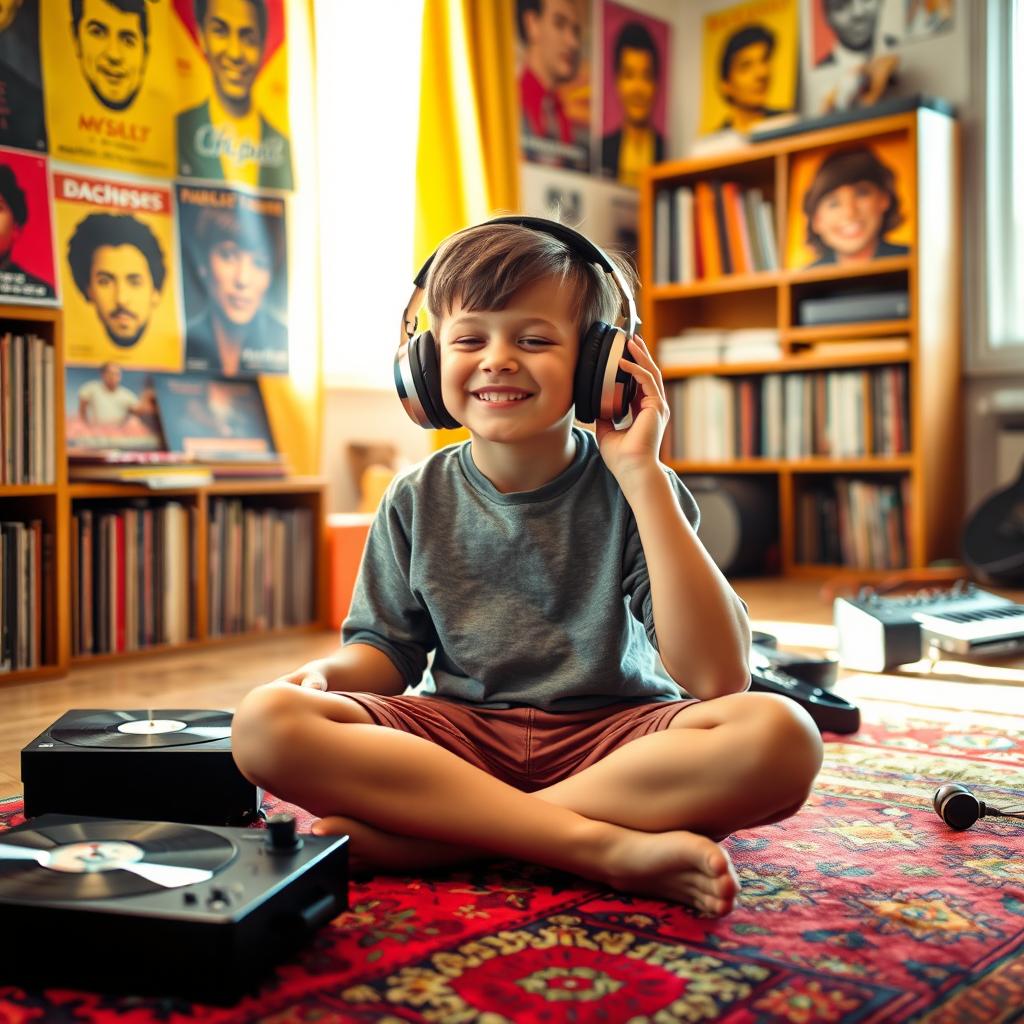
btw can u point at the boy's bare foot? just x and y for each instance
(371, 849)
(680, 866)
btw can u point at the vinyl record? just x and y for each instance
(91, 860)
(131, 729)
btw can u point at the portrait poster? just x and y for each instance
(109, 84)
(749, 57)
(118, 269)
(214, 420)
(851, 204)
(234, 281)
(842, 38)
(635, 92)
(553, 82)
(22, 118)
(232, 116)
(27, 273)
(108, 408)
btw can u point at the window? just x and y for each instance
(1004, 174)
(368, 68)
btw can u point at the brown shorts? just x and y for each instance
(525, 747)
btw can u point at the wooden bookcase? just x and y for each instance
(55, 503)
(931, 274)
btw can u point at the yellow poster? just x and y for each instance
(115, 244)
(851, 204)
(748, 64)
(232, 122)
(109, 74)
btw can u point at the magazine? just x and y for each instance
(215, 420)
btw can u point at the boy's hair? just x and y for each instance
(483, 267)
(847, 167)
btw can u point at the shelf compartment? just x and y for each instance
(134, 569)
(262, 562)
(31, 581)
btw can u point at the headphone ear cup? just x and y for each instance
(957, 806)
(591, 391)
(426, 375)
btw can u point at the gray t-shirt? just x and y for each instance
(536, 598)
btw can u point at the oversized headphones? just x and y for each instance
(601, 389)
(959, 808)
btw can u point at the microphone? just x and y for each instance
(959, 808)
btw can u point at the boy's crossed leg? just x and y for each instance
(633, 820)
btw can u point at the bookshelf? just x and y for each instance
(924, 472)
(57, 505)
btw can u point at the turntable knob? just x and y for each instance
(282, 837)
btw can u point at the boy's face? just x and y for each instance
(849, 218)
(507, 375)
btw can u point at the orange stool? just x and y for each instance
(346, 538)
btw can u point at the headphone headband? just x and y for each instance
(577, 243)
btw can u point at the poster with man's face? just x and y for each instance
(234, 281)
(635, 91)
(115, 240)
(109, 71)
(26, 231)
(748, 66)
(553, 81)
(22, 121)
(232, 116)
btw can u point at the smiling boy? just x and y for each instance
(545, 567)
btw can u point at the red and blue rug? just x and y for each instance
(863, 907)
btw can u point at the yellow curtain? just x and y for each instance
(295, 402)
(467, 159)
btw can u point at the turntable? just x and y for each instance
(167, 765)
(161, 908)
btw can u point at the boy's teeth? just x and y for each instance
(498, 396)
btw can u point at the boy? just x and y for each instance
(543, 567)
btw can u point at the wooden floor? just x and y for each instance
(798, 612)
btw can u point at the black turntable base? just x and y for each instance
(165, 765)
(161, 908)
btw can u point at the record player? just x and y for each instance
(161, 908)
(166, 765)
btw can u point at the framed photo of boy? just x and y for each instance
(850, 204)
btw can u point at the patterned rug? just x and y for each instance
(863, 907)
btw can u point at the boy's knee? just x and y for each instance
(789, 746)
(264, 724)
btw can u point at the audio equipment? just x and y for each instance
(959, 808)
(161, 908)
(878, 631)
(819, 671)
(738, 522)
(601, 389)
(168, 765)
(993, 540)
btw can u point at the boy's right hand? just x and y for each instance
(311, 678)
